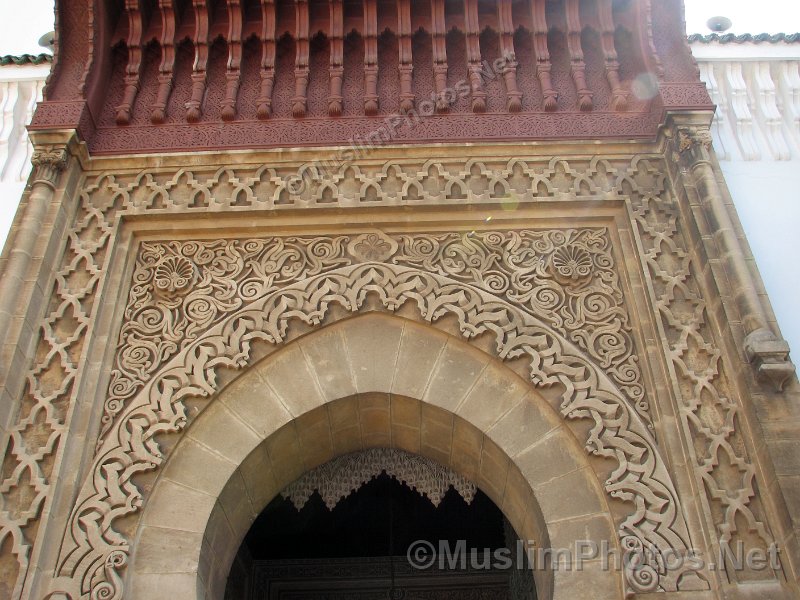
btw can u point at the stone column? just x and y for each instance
(768, 354)
(48, 163)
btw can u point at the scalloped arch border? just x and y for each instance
(95, 553)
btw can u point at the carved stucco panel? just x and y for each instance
(38, 435)
(49, 393)
(566, 276)
(340, 477)
(708, 403)
(618, 433)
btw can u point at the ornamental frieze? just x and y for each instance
(574, 267)
(346, 474)
(568, 277)
(106, 199)
(654, 525)
(709, 408)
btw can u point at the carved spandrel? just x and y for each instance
(182, 289)
(230, 190)
(617, 432)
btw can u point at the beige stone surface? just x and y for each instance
(373, 357)
(595, 416)
(298, 446)
(456, 372)
(178, 507)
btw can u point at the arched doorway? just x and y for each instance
(371, 386)
(378, 524)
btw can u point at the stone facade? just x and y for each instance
(755, 84)
(567, 322)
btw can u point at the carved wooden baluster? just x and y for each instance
(406, 67)
(543, 64)
(506, 21)
(438, 32)
(301, 68)
(619, 99)
(644, 8)
(264, 109)
(636, 18)
(233, 72)
(193, 106)
(134, 43)
(370, 57)
(165, 69)
(474, 56)
(335, 103)
(577, 66)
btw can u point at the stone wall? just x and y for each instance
(587, 286)
(574, 327)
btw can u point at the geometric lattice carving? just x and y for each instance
(35, 439)
(709, 409)
(51, 393)
(108, 198)
(617, 432)
(346, 474)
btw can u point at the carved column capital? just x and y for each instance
(693, 144)
(48, 162)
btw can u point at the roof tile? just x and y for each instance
(25, 59)
(731, 38)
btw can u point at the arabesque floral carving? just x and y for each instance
(372, 246)
(582, 299)
(640, 479)
(108, 199)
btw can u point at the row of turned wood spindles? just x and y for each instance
(266, 33)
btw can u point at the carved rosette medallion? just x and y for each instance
(373, 246)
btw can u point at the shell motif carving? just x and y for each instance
(173, 276)
(182, 288)
(571, 264)
(149, 338)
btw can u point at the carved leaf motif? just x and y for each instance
(156, 328)
(567, 276)
(572, 263)
(641, 477)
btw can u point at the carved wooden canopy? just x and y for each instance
(168, 75)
